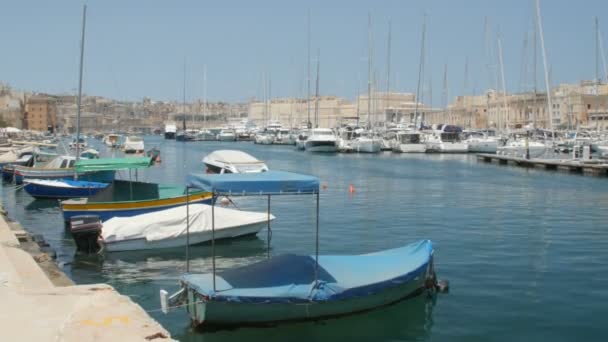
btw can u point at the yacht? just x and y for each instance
(133, 144)
(205, 135)
(481, 142)
(227, 134)
(321, 140)
(366, 142)
(170, 130)
(409, 142)
(232, 161)
(446, 139)
(301, 139)
(517, 148)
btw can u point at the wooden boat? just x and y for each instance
(291, 287)
(125, 198)
(60, 167)
(64, 188)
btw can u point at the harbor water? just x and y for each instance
(525, 251)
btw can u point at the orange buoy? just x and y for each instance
(324, 186)
(351, 188)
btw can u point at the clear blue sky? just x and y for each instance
(137, 48)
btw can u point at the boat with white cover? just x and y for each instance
(446, 139)
(232, 161)
(321, 140)
(133, 144)
(409, 142)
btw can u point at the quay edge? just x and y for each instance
(39, 303)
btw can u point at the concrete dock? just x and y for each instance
(585, 167)
(38, 306)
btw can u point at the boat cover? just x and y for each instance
(112, 164)
(171, 223)
(290, 278)
(271, 182)
(66, 183)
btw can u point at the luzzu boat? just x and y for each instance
(124, 198)
(287, 288)
(61, 167)
(64, 188)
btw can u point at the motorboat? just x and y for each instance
(165, 228)
(445, 139)
(170, 130)
(89, 153)
(301, 139)
(409, 142)
(263, 138)
(232, 161)
(205, 135)
(62, 188)
(112, 140)
(133, 144)
(81, 142)
(289, 287)
(480, 142)
(125, 198)
(321, 140)
(366, 142)
(60, 167)
(284, 137)
(186, 135)
(227, 134)
(520, 148)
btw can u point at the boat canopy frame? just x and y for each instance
(268, 184)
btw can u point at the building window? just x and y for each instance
(588, 106)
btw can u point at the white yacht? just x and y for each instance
(518, 148)
(170, 130)
(481, 142)
(366, 142)
(301, 139)
(321, 140)
(232, 161)
(133, 144)
(445, 139)
(409, 142)
(227, 134)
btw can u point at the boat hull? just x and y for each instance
(321, 146)
(42, 191)
(128, 208)
(180, 241)
(410, 148)
(520, 151)
(483, 146)
(236, 313)
(22, 174)
(447, 147)
(169, 135)
(367, 146)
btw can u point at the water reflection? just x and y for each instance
(407, 320)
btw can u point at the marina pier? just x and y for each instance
(589, 167)
(39, 303)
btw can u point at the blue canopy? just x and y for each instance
(263, 183)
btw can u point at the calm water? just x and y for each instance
(526, 251)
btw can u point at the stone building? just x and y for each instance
(40, 113)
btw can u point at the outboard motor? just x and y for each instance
(86, 230)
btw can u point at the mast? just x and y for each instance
(79, 104)
(445, 92)
(420, 71)
(308, 74)
(504, 87)
(603, 56)
(184, 99)
(547, 85)
(317, 90)
(205, 96)
(534, 63)
(597, 56)
(369, 69)
(388, 71)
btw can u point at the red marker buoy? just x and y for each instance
(351, 188)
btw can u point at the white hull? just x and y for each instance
(226, 137)
(483, 146)
(446, 147)
(323, 148)
(365, 145)
(410, 148)
(180, 241)
(520, 151)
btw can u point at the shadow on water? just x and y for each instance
(407, 320)
(42, 204)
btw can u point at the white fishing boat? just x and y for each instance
(321, 140)
(112, 140)
(166, 228)
(409, 142)
(232, 161)
(133, 144)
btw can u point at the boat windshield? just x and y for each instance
(410, 138)
(450, 137)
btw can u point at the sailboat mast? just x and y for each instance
(420, 72)
(205, 96)
(547, 84)
(504, 87)
(317, 90)
(79, 104)
(184, 99)
(597, 56)
(388, 70)
(308, 74)
(369, 69)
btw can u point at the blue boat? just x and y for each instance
(64, 188)
(287, 288)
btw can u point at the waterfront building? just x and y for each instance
(41, 113)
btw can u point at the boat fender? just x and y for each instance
(442, 286)
(224, 201)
